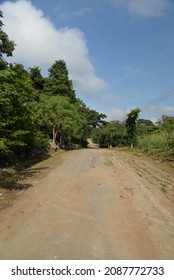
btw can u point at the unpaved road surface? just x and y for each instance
(92, 204)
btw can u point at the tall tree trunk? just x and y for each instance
(55, 131)
(54, 135)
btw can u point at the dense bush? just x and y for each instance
(160, 142)
(111, 134)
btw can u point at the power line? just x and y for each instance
(165, 95)
(1, 56)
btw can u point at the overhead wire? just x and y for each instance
(9, 59)
(163, 96)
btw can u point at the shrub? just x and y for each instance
(157, 145)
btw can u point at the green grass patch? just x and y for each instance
(159, 145)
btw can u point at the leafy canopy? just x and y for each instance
(6, 46)
(58, 82)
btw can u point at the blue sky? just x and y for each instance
(119, 53)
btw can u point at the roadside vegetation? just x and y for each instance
(158, 139)
(116, 133)
(153, 139)
(38, 112)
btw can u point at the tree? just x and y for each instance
(33, 108)
(58, 113)
(110, 134)
(91, 119)
(95, 119)
(37, 79)
(144, 122)
(131, 126)
(19, 128)
(6, 46)
(58, 82)
(145, 126)
(168, 124)
(168, 128)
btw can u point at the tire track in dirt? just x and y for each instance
(92, 204)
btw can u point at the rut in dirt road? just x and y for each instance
(91, 205)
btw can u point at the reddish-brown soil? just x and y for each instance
(90, 204)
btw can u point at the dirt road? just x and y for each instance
(92, 204)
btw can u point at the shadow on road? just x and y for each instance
(13, 180)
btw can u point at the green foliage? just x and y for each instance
(156, 145)
(131, 126)
(33, 108)
(58, 114)
(4, 149)
(159, 142)
(58, 82)
(37, 79)
(95, 119)
(145, 127)
(168, 124)
(6, 46)
(111, 134)
(19, 125)
(90, 118)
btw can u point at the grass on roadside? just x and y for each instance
(159, 145)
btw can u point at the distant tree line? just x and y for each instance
(155, 139)
(117, 133)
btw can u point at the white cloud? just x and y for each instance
(143, 8)
(39, 43)
(116, 114)
(154, 112)
(164, 110)
(88, 82)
